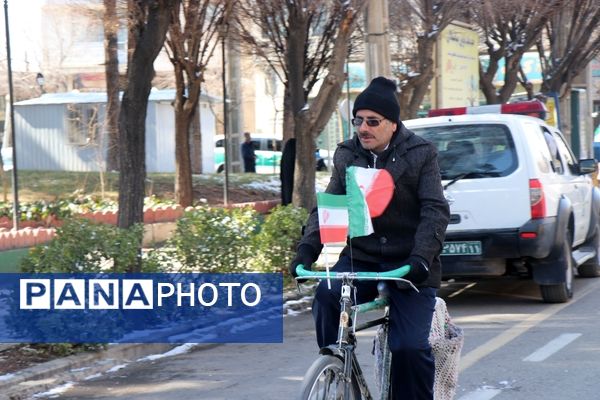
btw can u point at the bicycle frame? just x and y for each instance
(346, 342)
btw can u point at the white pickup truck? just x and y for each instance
(520, 202)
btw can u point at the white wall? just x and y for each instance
(163, 148)
(208, 123)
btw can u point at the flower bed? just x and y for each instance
(32, 233)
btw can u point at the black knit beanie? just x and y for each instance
(379, 96)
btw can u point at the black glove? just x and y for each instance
(419, 269)
(305, 256)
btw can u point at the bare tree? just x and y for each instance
(571, 40)
(152, 19)
(304, 42)
(191, 43)
(295, 39)
(415, 26)
(509, 28)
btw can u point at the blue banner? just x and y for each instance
(141, 308)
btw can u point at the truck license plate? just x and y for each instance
(461, 248)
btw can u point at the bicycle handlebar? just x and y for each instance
(393, 275)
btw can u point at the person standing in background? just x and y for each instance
(286, 171)
(248, 153)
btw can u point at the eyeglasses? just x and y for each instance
(372, 122)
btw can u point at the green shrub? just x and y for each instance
(81, 245)
(219, 240)
(84, 246)
(277, 240)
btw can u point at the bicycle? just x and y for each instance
(336, 374)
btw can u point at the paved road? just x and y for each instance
(515, 348)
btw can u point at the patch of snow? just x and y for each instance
(6, 377)
(184, 348)
(94, 376)
(300, 301)
(116, 368)
(80, 369)
(55, 392)
(272, 185)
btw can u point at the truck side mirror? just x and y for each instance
(587, 166)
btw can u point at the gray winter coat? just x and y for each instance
(414, 223)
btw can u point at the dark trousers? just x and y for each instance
(413, 366)
(249, 164)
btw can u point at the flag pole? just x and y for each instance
(327, 266)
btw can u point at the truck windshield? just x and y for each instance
(472, 150)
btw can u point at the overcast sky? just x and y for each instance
(24, 23)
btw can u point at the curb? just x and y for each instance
(44, 376)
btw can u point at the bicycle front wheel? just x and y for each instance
(324, 380)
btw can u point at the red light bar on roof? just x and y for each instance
(533, 108)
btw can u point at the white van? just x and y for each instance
(267, 149)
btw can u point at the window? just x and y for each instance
(273, 144)
(566, 154)
(82, 124)
(555, 160)
(480, 149)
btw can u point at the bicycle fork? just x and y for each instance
(344, 337)
(346, 305)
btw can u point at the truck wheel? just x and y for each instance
(562, 292)
(591, 268)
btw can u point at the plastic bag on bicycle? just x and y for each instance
(446, 340)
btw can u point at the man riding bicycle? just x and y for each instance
(409, 232)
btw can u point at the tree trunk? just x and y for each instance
(111, 27)
(132, 117)
(303, 194)
(288, 115)
(423, 80)
(135, 23)
(196, 144)
(295, 57)
(185, 105)
(486, 82)
(183, 163)
(511, 72)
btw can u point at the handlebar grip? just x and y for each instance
(300, 271)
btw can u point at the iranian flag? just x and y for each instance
(333, 217)
(368, 192)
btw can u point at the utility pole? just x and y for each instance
(377, 46)
(11, 116)
(234, 86)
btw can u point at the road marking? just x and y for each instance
(533, 320)
(481, 394)
(552, 347)
(459, 291)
